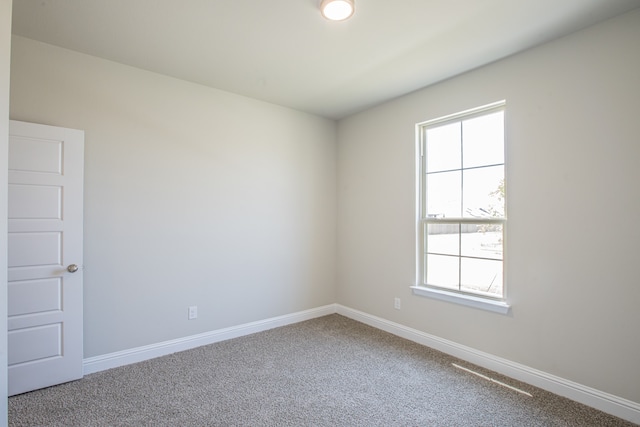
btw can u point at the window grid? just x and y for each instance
(427, 219)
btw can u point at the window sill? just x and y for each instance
(468, 300)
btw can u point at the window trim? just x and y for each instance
(469, 300)
(494, 304)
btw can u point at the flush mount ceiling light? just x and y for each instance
(337, 10)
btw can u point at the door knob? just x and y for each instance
(72, 268)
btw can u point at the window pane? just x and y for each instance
(481, 276)
(443, 148)
(444, 194)
(483, 192)
(481, 241)
(443, 239)
(483, 140)
(443, 271)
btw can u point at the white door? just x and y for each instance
(46, 166)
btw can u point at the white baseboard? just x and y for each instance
(112, 360)
(611, 404)
(605, 402)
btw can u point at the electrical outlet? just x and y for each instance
(193, 312)
(396, 303)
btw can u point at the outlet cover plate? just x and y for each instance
(193, 312)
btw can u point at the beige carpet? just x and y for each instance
(330, 371)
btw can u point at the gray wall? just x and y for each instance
(193, 196)
(573, 146)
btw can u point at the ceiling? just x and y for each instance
(284, 52)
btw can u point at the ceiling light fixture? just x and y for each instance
(337, 10)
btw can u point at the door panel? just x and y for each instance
(45, 236)
(35, 343)
(35, 296)
(34, 249)
(32, 154)
(35, 202)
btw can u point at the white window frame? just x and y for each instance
(490, 303)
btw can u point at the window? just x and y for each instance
(462, 207)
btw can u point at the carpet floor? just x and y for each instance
(330, 371)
